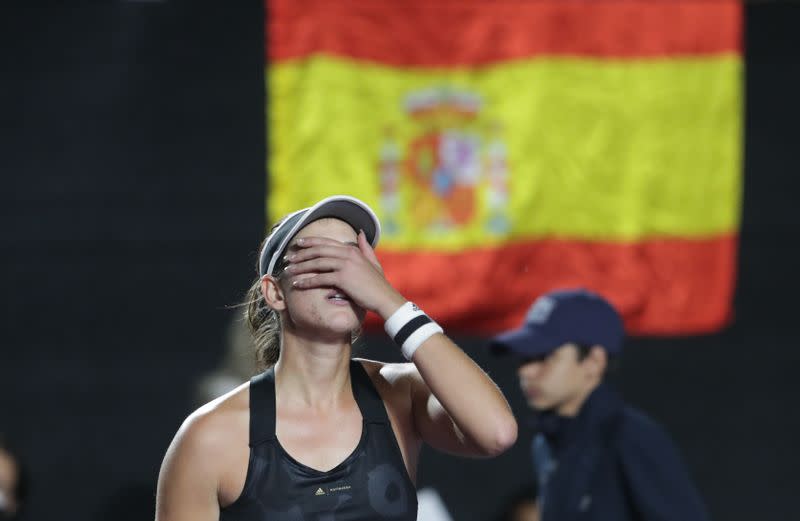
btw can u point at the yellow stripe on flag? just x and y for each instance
(619, 150)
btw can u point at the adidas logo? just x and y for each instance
(319, 492)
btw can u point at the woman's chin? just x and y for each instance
(346, 319)
(341, 327)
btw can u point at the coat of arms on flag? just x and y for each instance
(453, 171)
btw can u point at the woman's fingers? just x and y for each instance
(317, 265)
(339, 251)
(367, 251)
(317, 281)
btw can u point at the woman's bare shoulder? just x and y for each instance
(207, 458)
(218, 425)
(389, 372)
(390, 378)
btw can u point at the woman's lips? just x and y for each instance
(338, 298)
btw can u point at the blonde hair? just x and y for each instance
(263, 322)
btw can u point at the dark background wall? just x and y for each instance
(132, 157)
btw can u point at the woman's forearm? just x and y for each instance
(470, 397)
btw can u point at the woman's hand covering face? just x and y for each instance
(353, 269)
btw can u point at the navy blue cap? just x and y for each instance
(566, 316)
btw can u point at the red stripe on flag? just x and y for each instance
(476, 32)
(668, 286)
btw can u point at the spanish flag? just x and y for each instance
(513, 147)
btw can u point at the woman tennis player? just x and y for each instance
(319, 435)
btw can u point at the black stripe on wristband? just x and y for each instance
(408, 330)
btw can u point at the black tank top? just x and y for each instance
(370, 484)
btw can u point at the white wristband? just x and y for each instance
(418, 337)
(410, 328)
(400, 318)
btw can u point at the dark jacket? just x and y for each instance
(611, 463)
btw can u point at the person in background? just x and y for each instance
(13, 482)
(595, 458)
(318, 434)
